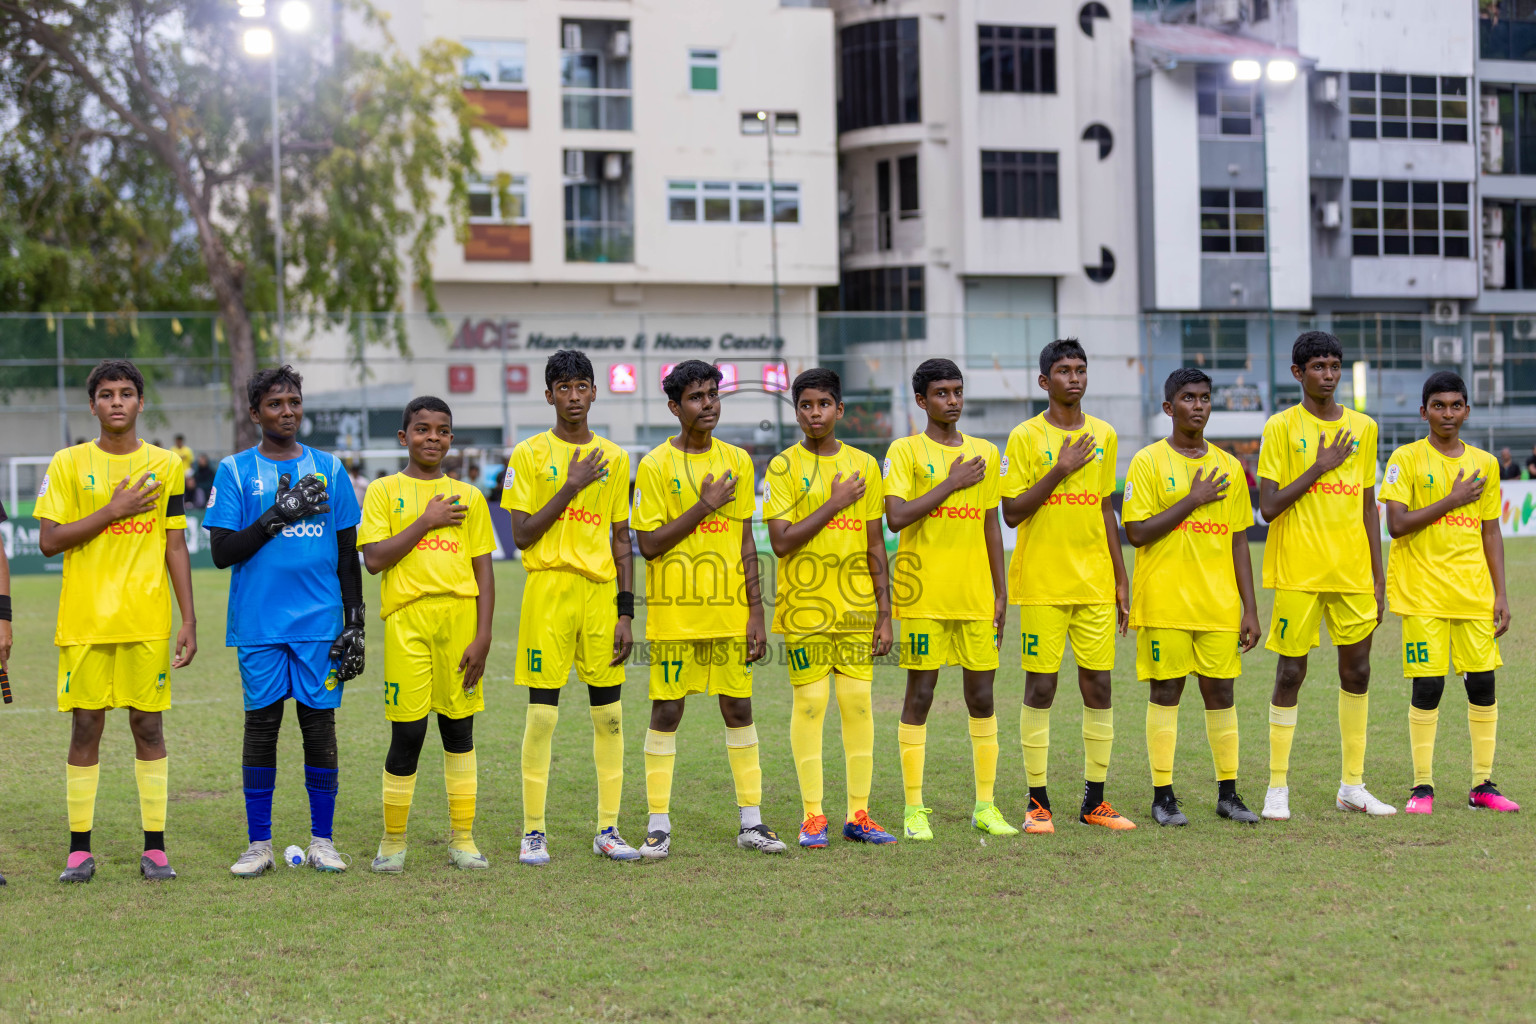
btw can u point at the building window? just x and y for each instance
(1016, 58)
(1019, 183)
(1214, 343)
(1418, 218)
(881, 83)
(1517, 116)
(756, 122)
(595, 90)
(486, 205)
(1227, 108)
(494, 64)
(786, 122)
(1232, 221)
(704, 70)
(1260, 10)
(882, 290)
(732, 202)
(1507, 31)
(906, 187)
(1388, 342)
(1407, 107)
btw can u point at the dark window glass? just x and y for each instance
(1019, 183)
(1016, 58)
(906, 178)
(1362, 191)
(880, 74)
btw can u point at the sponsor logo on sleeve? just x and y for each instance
(885, 470)
(1004, 470)
(43, 487)
(1127, 491)
(213, 496)
(1392, 474)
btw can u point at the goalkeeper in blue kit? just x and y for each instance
(285, 517)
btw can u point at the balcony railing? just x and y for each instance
(882, 232)
(595, 241)
(596, 109)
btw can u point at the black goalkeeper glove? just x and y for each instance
(348, 648)
(304, 499)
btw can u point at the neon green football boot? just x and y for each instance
(916, 822)
(990, 820)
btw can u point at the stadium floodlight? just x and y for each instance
(258, 41)
(253, 11)
(1281, 71)
(295, 15)
(1359, 373)
(1246, 70)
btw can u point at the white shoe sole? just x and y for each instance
(1275, 815)
(1362, 809)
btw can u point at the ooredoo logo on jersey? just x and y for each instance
(435, 543)
(580, 515)
(131, 526)
(304, 530)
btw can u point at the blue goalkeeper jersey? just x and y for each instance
(288, 591)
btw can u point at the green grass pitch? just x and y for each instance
(1327, 917)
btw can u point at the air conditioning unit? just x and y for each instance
(1493, 221)
(1330, 215)
(1525, 328)
(570, 35)
(618, 46)
(1488, 387)
(1493, 262)
(613, 166)
(1325, 89)
(1487, 348)
(1488, 108)
(575, 164)
(1490, 140)
(1228, 12)
(1445, 348)
(1445, 311)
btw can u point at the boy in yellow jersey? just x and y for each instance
(568, 493)
(432, 541)
(1067, 574)
(115, 507)
(941, 494)
(1445, 578)
(1317, 490)
(704, 614)
(823, 503)
(1192, 606)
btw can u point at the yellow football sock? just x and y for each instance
(1162, 738)
(538, 734)
(741, 749)
(608, 755)
(1221, 733)
(856, 708)
(1354, 712)
(80, 794)
(1282, 730)
(398, 791)
(805, 724)
(984, 756)
(1035, 737)
(913, 741)
(153, 779)
(461, 776)
(1421, 741)
(660, 756)
(1098, 738)
(1483, 721)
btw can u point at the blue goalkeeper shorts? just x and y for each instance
(303, 671)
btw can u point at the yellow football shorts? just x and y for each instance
(716, 666)
(566, 620)
(1431, 645)
(128, 675)
(812, 656)
(928, 644)
(1174, 653)
(423, 643)
(1045, 628)
(1294, 624)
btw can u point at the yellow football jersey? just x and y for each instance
(941, 570)
(439, 564)
(1186, 580)
(1441, 570)
(1319, 544)
(116, 588)
(824, 587)
(579, 541)
(1061, 555)
(698, 589)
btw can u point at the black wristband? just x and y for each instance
(5, 606)
(626, 602)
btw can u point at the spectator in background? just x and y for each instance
(202, 480)
(474, 479)
(181, 449)
(359, 481)
(1509, 469)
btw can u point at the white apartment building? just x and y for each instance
(988, 202)
(642, 220)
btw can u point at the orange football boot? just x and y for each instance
(1108, 817)
(1038, 820)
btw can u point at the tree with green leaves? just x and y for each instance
(136, 164)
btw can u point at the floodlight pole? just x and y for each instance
(277, 209)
